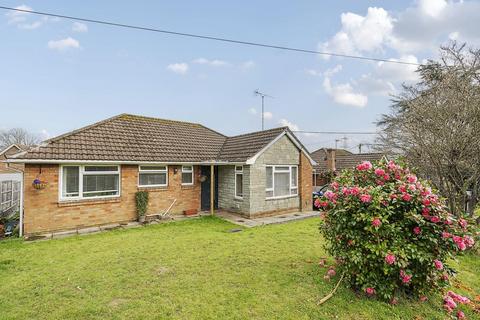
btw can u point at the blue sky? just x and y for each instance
(57, 76)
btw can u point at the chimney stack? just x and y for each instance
(331, 159)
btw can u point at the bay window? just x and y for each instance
(239, 182)
(89, 181)
(281, 181)
(187, 175)
(153, 176)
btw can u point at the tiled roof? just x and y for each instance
(343, 159)
(136, 138)
(242, 147)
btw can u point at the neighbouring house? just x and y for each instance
(10, 182)
(89, 176)
(331, 160)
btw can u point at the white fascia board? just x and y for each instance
(43, 161)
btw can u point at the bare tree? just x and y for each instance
(436, 124)
(17, 136)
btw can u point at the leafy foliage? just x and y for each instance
(141, 201)
(390, 234)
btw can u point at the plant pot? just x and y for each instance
(190, 212)
(141, 219)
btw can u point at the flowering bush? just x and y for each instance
(389, 233)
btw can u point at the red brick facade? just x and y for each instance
(44, 212)
(305, 183)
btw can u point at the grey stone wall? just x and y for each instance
(226, 190)
(282, 152)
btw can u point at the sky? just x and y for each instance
(57, 75)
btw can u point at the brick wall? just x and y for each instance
(43, 212)
(305, 183)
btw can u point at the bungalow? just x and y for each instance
(330, 160)
(89, 177)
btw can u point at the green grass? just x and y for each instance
(189, 270)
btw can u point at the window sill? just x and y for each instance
(282, 197)
(82, 202)
(238, 198)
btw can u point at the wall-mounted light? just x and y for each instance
(175, 170)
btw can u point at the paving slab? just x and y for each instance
(63, 234)
(281, 218)
(89, 230)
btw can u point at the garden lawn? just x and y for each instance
(193, 269)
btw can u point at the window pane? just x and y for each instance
(153, 168)
(282, 184)
(269, 194)
(294, 176)
(269, 184)
(294, 191)
(149, 179)
(187, 177)
(187, 168)
(239, 185)
(239, 168)
(71, 181)
(100, 185)
(101, 168)
(282, 168)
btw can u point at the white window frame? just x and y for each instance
(238, 172)
(6, 191)
(82, 172)
(192, 172)
(291, 187)
(140, 171)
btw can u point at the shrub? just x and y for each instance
(390, 234)
(141, 201)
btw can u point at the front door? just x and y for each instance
(205, 194)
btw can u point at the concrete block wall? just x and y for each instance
(226, 190)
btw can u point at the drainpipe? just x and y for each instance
(212, 190)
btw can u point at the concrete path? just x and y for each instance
(283, 218)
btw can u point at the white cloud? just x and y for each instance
(371, 85)
(360, 33)
(213, 63)
(16, 17)
(417, 29)
(252, 111)
(79, 27)
(64, 44)
(286, 123)
(267, 115)
(313, 72)
(432, 8)
(344, 94)
(179, 68)
(247, 65)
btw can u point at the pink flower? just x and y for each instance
(406, 197)
(426, 202)
(379, 172)
(423, 298)
(412, 187)
(469, 241)
(393, 196)
(426, 212)
(458, 298)
(448, 301)
(330, 195)
(462, 246)
(331, 272)
(438, 264)
(411, 178)
(317, 203)
(417, 230)
(380, 182)
(463, 223)
(446, 235)
(345, 191)
(405, 277)
(394, 301)
(370, 291)
(391, 165)
(402, 189)
(460, 315)
(445, 277)
(354, 190)
(376, 223)
(435, 219)
(390, 259)
(365, 165)
(366, 198)
(334, 185)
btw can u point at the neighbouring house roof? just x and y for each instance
(143, 139)
(343, 158)
(13, 149)
(7, 170)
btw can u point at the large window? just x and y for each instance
(80, 182)
(153, 176)
(187, 175)
(239, 182)
(281, 181)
